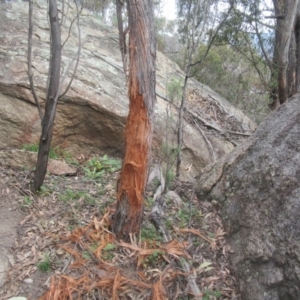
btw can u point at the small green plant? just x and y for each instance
(97, 166)
(169, 153)
(170, 175)
(149, 233)
(184, 216)
(44, 191)
(31, 147)
(107, 252)
(93, 174)
(175, 89)
(149, 201)
(211, 295)
(45, 264)
(196, 241)
(86, 255)
(54, 153)
(88, 200)
(27, 201)
(110, 164)
(72, 195)
(153, 259)
(109, 247)
(169, 224)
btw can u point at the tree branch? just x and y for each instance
(212, 40)
(29, 61)
(77, 55)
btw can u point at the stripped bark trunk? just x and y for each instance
(138, 133)
(53, 89)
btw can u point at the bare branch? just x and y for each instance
(122, 33)
(29, 61)
(77, 55)
(212, 40)
(278, 17)
(205, 123)
(72, 22)
(207, 141)
(263, 48)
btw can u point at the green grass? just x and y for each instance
(149, 233)
(54, 153)
(27, 202)
(210, 294)
(45, 264)
(71, 195)
(96, 167)
(45, 191)
(153, 259)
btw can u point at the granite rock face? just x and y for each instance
(91, 116)
(258, 188)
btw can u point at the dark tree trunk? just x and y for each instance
(138, 133)
(52, 96)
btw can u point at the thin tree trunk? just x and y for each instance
(138, 133)
(297, 40)
(52, 93)
(283, 46)
(122, 33)
(180, 122)
(29, 60)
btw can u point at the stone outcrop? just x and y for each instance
(258, 188)
(91, 116)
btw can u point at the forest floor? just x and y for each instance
(57, 244)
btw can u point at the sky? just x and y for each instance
(169, 9)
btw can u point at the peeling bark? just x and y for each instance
(138, 132)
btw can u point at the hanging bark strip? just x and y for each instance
(138, 132)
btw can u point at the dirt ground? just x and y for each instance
(10, 216)
(57, 244)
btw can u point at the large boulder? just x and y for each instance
(258, 188)
(91, 116)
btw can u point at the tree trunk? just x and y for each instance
(51, 99)
(180, 121)
(284, 30)
(297, 50)
(138, 133)
(122, 33)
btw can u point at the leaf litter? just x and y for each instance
(67, 225)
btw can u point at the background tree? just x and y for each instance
(196, 19)
(138, 133)
(55, 84)
(268, 38)
(285, 35)
(97, 6)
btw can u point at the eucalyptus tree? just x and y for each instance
(138, 133)
(268, 34)
(286, 49)
(199, 22)
(55, 81)
(97, 6)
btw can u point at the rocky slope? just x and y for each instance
(257, 188)
(91, 117)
